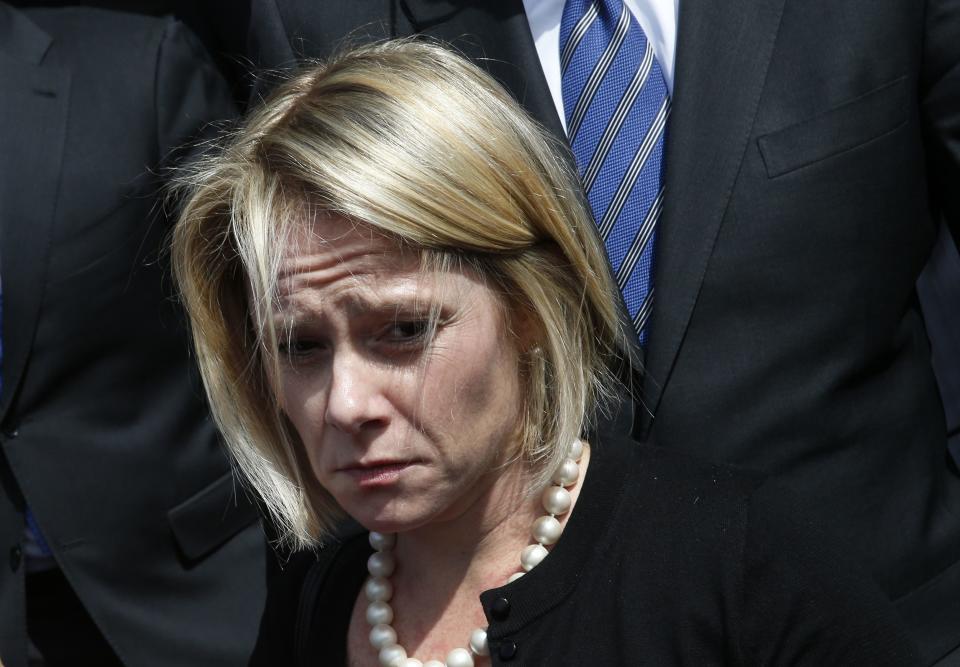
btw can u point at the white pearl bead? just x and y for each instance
(413, 662)
(459, 657)
(556, 500)
(393, 656)
(379, 613)
(546, 530)
(478, 642)
(576, 449)
(515, 576)
(382, 635)
(433, 663)
(531, 556)
(567, 473)
(381, 564)
(378, 589)
(382, 541)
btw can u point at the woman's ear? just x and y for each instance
(525, 329)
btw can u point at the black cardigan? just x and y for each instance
(664, 561)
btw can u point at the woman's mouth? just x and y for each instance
(377, 473)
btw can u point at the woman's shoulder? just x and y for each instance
(784, 572)
(674, 479)
(698, 506)
(750, 508)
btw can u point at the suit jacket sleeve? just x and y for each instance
(940, 100)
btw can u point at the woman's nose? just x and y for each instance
(354, 401)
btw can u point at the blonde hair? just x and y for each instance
(417, 143)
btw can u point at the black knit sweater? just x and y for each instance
(664, 561)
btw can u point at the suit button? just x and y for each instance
(16, 557)
(11, 433)
(500, 609)
(507, 650)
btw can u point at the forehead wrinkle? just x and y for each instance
(327, 257)
(323, 258)
(355, 291)
(346, 267)
(329, 271)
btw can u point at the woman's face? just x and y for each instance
(404, 426)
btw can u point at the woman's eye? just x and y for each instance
(407, 331)
(297, 347)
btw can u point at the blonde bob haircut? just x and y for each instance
(420, 145)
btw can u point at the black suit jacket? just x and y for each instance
(105, 434)
(939, 292)
(811, 152)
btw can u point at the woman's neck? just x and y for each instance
(481, 543)
(442, 568)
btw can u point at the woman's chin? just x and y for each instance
(385, 513)
(391, 523)
(391, 508)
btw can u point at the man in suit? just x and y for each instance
(125, 537)
(811, 151)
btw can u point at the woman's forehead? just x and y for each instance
(328, 235)
(335, 259)
(333, 244)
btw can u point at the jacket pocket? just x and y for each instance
(210, 517)
(840, 129)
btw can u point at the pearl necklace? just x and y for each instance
(545, 531)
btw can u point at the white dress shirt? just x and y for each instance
(658, 18)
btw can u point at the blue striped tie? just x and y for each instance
(616, 104)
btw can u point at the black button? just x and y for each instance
(16, 557)
(500, 609)
(11, 433)
(507, 650)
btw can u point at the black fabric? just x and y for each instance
(939, 292)
(664, 561)
(221, 25)
(811, 153)
(105, 433)
(190, 520)
(61, 632)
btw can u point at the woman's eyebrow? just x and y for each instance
(358, 304)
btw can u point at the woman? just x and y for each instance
(403, 315)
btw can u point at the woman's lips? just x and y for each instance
(376, 474)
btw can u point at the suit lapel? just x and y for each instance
(32, 131)
(723, 49)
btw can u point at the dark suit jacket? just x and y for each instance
(939, 292)
(811, 152)
(105, 434)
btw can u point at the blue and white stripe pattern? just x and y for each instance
(616, 104)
